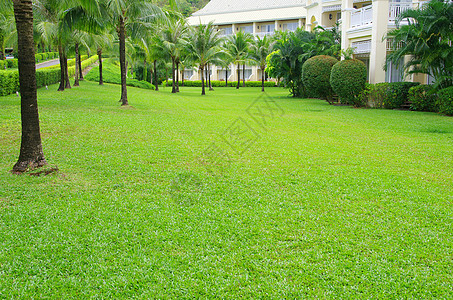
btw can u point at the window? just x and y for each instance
(188, 73)
(290, 26)
(395, 72)
(227, 31)
(247, 29)
(268, 28)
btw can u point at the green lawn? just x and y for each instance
(328, 202)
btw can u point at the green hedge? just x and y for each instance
(316, 75)
(3, 64)
(9, 82)
(218, 83)
(373, 95)
(445, 101)
(9, 79)
(348, 79)
(397, 94)
(422, 99)
(12, 63)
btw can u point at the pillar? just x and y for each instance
(378, 45)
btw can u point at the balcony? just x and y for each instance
(263, 34)
(364, 16)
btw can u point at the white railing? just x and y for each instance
(362, 47)
(263, 34)
(331, 8)
(396, 9)
(362, 16)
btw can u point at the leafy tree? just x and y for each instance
(31, 151)
(204, 47)
(427, 38)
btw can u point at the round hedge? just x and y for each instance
(445, 101)
(348, 79)
(316, 75)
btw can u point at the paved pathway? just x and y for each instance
(48, 63)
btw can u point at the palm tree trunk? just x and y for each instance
(62, 72)
(203, 92)
(182, 77)
(66, 72)
(177, 77)
(101, 80)
(80, 67)
(173, 85)
(76, 75)
(262, 79)
(239, 76)
(243, 75)
(31, 153)
(209, 76)
(122, 38)
(155, 75)
(145, 71)
(226, 77)
(2, 49)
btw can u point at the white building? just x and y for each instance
(363, 25)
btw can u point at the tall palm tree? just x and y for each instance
(238, 46)
(204, 47)
(170, 40)
(427, 38)
(31, 152)
(127, 15)
(261, 48)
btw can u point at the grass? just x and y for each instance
(330, 202)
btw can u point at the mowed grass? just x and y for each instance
(329, 202)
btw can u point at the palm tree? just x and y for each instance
(31, 152)
(170, 41)
(127, 16)
(260, 49)
(237, 46)
(204, 47)
(428, 40)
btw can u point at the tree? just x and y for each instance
(203, 47)
(427, 38)
(237, 46)
(31, 151)
(260, 49)
(127, 17)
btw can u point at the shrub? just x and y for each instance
(44, 56)
(422, 99)
(3, 65)
(445, 101)
(218, 83)
(316, 75)
(348, 79)
(12, 63)
(38, 58)
(373, 95)
(397, 94)
(9, 82)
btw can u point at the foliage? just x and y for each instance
(348, 79)
(373, 96)
(324, 42)
(220, 83)
(286, 60)
(445, 101)
(397, 94)
(9, 82)
(111, 74)
(316, 75)
(422, 98)
(427, 41)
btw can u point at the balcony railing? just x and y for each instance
(362, 47)
(396, 9)
(362, 16)
(263, 34)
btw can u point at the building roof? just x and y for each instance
(229, 6)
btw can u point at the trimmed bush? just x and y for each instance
(38, 58)
(9, 82)
(316, 75)
(422, 99)
(3, 64)
(445, 101)
(218, 83)
(12, 63)
(44, 56)
(397, 94)
(348, 79)
(374, 95)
